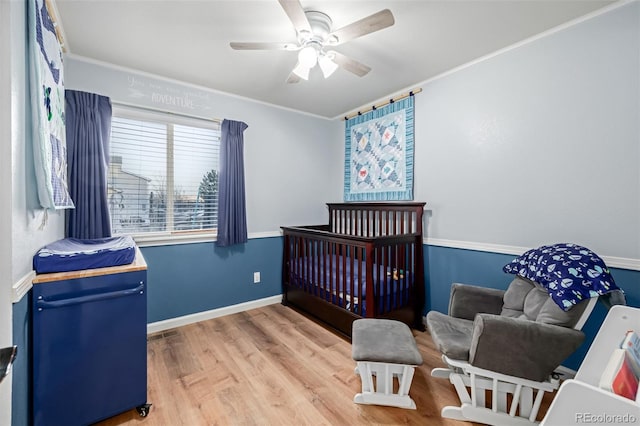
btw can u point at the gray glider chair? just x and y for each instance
(508, 342)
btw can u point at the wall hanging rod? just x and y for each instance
(380, 105)
(53, 14)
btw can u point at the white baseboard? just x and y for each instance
(157, 326)
(611, 261)
(566, 372)
(22, 286)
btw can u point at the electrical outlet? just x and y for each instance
(256, 277)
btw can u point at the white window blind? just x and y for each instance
(163, 173)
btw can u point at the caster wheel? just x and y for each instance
(143, 410)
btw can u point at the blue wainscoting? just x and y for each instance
(21, 375)
(444, 266)
(190, 278)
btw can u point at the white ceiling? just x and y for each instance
(189, 41)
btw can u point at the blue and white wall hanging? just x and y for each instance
(379, 154)
(47, 105)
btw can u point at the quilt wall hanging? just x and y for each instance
(379, 153)
(47, 106)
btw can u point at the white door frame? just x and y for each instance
(6, 81)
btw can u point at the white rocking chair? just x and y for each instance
(508, 342)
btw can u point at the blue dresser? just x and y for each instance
(89, 344)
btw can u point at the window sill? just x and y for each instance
(164, 239)
(152, 240)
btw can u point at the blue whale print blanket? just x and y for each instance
(570, 273)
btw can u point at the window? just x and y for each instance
(163, 173)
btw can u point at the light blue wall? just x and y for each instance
(538, 144)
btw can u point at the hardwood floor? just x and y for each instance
(272, 366)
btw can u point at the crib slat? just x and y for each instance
(296, 259)
(309, 261)
(386, 270)
(369, 293)
(320, 283)
(343, 285)
(393, 222)
(395, 275)
(367, 224)
(352, 278)
(403, 273)
(314, 265)
(305, 263)
(354, 222)
(412, 219)
(301, 261)
(379, 268)
(361, 304)
(324, 269)
(331, 268)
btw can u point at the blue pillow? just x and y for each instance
(570, 273)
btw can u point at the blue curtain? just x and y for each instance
(232, 213)
(88, 124)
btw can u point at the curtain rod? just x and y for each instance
(162, 111)
(380, 105)
(53, 10)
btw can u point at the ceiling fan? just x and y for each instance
(315, 36)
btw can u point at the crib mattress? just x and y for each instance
(337, 273)
(73, 254)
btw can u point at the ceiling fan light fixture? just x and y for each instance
(301, 71)
(308, 57)
(327, 65)
(315, 33)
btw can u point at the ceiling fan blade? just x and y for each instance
(262, 46)
(293, 78)
(349, 64)
(364, 26)
(296, 15)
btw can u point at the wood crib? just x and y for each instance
(366, 263)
